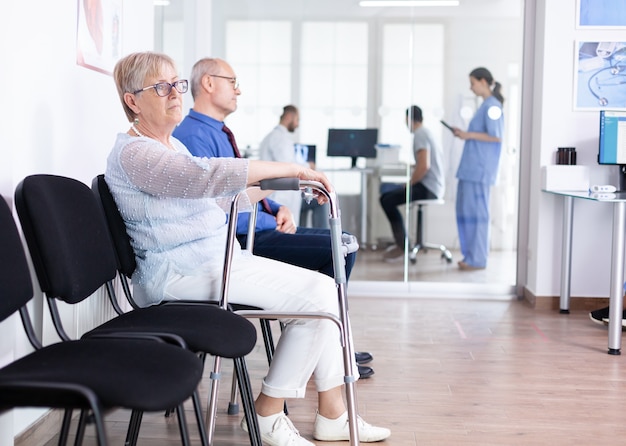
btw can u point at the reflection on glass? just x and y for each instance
(351, 67)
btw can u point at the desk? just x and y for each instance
(616, 296)
(364, 172)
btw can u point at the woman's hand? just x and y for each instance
(459, 133)
(315, 175)
(260, 170)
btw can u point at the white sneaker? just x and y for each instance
(326, 429)
(279, 433)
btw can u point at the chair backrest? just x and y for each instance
(117, 227)
(16, 288)
(67, 236)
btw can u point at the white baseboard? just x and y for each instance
(431, 290)
(42, 430)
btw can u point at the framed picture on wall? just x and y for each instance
(600, 75)
(98, 34)
(604, 14)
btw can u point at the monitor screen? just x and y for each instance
(305, 153)
(353, 143)
(612, 148)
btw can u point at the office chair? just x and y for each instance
(420, 244)
(73, 256)
(85, 374)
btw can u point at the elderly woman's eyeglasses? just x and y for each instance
(165, 88)
(232, 80)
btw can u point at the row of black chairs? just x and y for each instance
(133, 361)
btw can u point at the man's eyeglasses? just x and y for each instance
(233, 80)
(165, 88)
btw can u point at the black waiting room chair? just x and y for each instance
(85, 374)
(73, 256)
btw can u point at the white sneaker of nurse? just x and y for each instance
(326, 429)
(277, 430)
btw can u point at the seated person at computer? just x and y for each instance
(427, 180)
(214, 89)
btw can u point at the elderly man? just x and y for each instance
(215, 89)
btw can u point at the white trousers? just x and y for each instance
(306, 346)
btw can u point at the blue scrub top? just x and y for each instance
(480, 160)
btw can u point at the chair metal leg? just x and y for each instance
(247, 399)
(80, 430)
(233, 405)
(65, 427)
(197, 408)
(212, 404)
(132, 435)
(98, 422)
(268, 341)
(182, 425)
(86, 415)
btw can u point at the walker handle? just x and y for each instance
(280, 184)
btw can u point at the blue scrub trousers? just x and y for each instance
(472, 219)
(308, 248)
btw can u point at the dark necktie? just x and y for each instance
(231, 138)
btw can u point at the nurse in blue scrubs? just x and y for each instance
(478, 170)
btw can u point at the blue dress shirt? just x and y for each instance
(203, 136)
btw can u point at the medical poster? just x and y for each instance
(98, 36)
(600, 75)
(601, 14)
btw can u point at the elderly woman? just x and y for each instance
(170, 202)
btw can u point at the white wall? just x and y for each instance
(56, 117)
(554, 124)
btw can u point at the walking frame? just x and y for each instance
(341, 245)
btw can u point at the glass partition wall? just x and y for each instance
(350, 67)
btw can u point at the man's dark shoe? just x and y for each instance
(597, 315)
(363, 357)
(601, 316)
(365, 371)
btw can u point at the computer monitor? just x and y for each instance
(305, 153)
(612, 142)
(352, 143)
(310, 156)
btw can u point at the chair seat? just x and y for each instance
(91, 365)
(420, 243)
(427, 201)
(205, 328)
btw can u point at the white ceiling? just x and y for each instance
(322, 9)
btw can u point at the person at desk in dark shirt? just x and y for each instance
(215, 89)
(427, 181)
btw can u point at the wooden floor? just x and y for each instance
(431, 267)
(457, 372)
